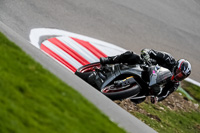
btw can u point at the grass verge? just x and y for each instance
(164, 120)
(175, 114)
(32, 100)
(192, 89)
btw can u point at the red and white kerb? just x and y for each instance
(72, 52)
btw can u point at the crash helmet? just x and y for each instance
(182, 70)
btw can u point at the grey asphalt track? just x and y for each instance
(166, 25)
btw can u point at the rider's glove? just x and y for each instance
(145, 56)
(154, 99)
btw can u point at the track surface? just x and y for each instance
(167, 25)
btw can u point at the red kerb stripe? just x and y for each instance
(90, 47)
(57, 57)
(68, 50)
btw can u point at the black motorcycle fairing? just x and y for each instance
(146, 78)
(120, 71)
(112, 73)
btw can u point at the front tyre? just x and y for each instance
(112, 92)
(118, 93)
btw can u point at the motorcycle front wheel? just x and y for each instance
(112, 92)
(118, 93)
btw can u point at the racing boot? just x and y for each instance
(105, 60)
(110, 60)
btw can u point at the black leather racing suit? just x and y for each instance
(162, 58)
(167, 61)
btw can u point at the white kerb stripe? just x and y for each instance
(109, 50)
(62, 54)
(79, 49)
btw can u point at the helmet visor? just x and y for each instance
(179, 75)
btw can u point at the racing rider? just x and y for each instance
(180, 69)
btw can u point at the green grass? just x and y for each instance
(32, 100)
(192, 89)
(169, 121)
(164, 120)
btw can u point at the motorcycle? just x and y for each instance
(121, 81)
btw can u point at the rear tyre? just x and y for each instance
(85, 71)
(88, 68)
